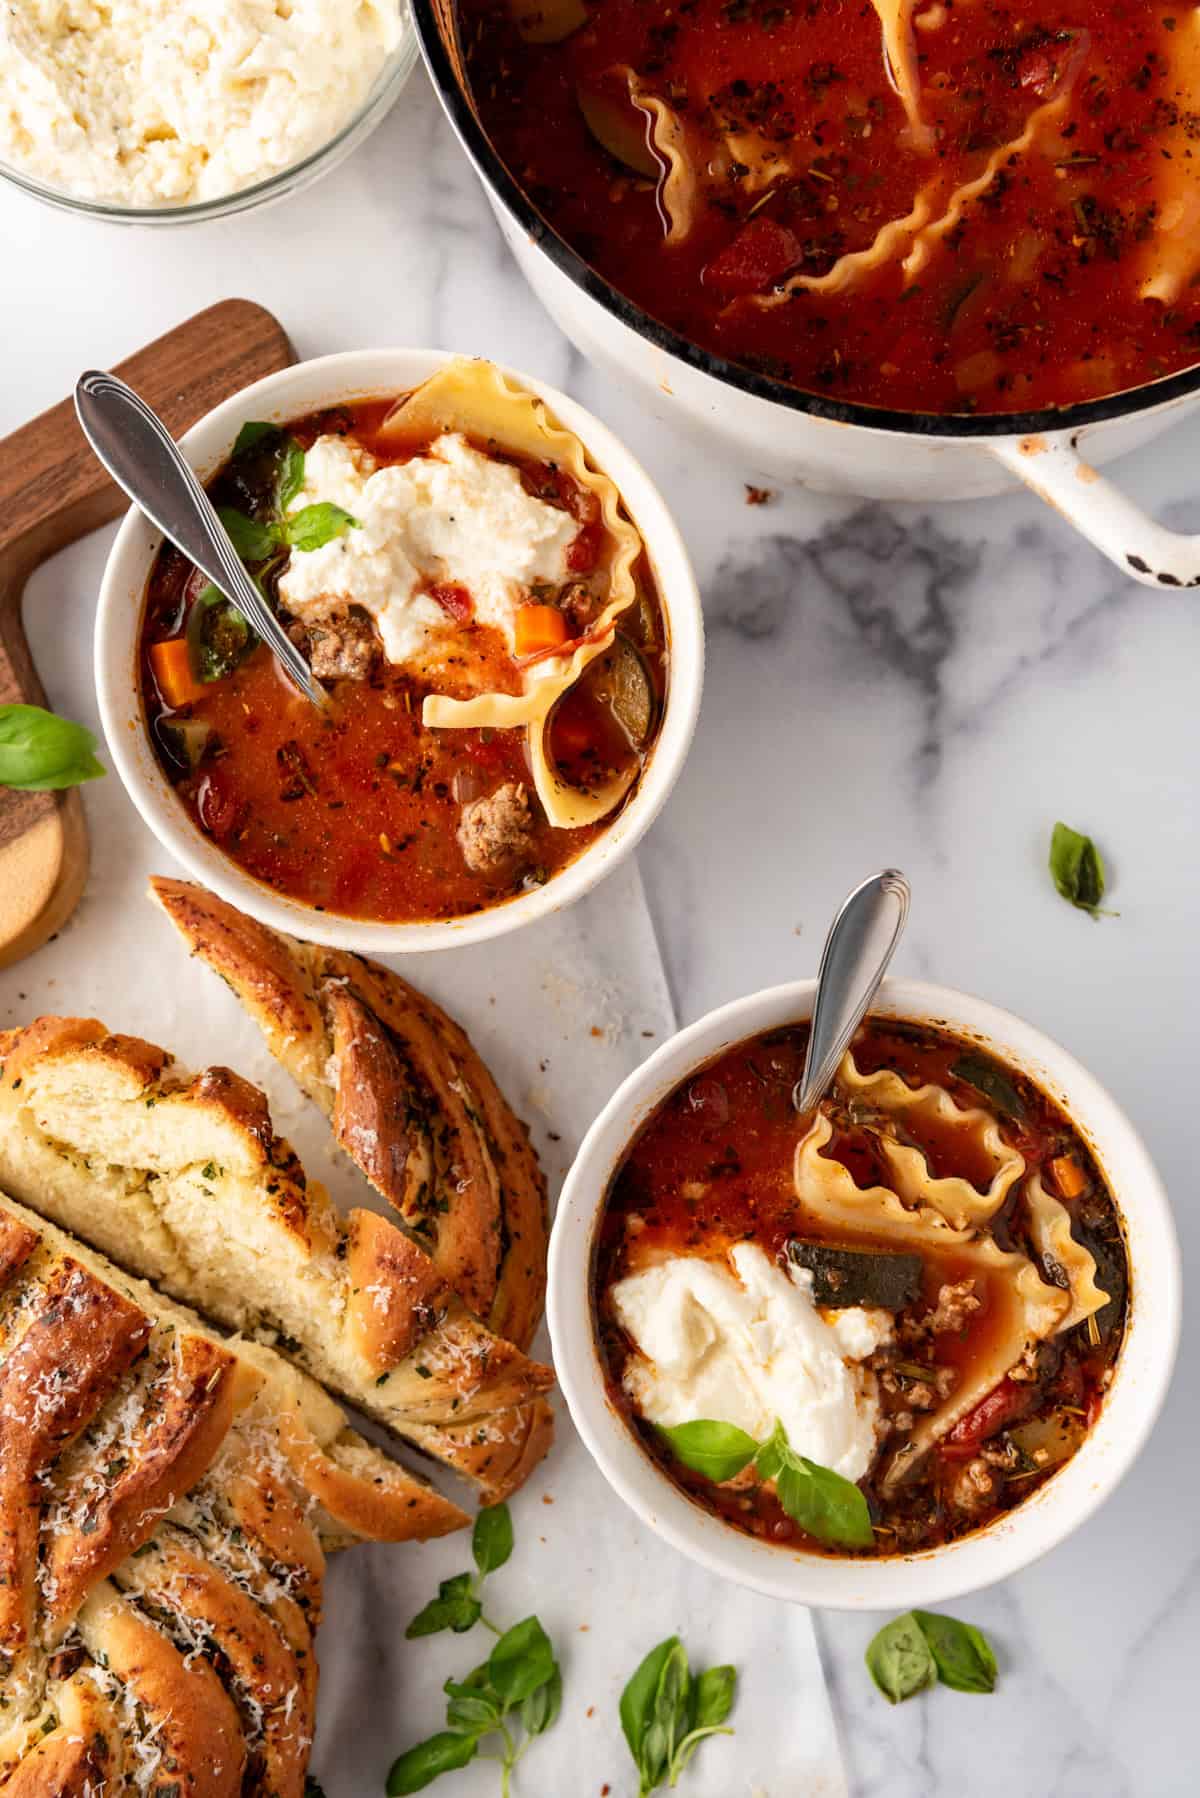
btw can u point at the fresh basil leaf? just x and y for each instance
(829, 1507)
(314, 526)
(717, 1450)
(712, 1696)
(900, 1660)
(252, 540)
(540, 1709)
(492, 1538)
(991, 1081)
(43, 753)
(962, 1654)
(637, 1700)
(252, 433)
(424, 1763)
(218, 636)
(689, 1745)
(471, 1710)
(291, 474)
(521, 1661)
(455, 1607)
(1077, 869)
(669, 1719)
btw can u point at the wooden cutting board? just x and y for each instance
(52, 490)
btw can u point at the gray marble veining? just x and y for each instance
(925, 686)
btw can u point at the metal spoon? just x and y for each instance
(861, 942)
(140, 454)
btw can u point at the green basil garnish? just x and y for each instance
(900, 1660)
(717, 1450)
(991, 1081)
(914, 1651)
(455, 1607)
(314, 526)
(443, 1753)
(964, 1657)
(218, 636)
(829, 1507)
(666, 1713)
(43, 753)
(1077, 870)
(253, 541)
(251, 435)
(492, 1538)
(291, 474)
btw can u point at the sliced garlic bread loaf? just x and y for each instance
(167, 1498)
(184, 1182)
(409, 1099)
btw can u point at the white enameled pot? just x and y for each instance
(831, 446)
(1143, 1367)
(331, 381)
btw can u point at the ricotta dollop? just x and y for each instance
(165, 102)
(452, 516)
(742, 1342)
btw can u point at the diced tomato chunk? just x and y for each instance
(454, 600)
(583, 552)
(760, 254)
(1002, 1406)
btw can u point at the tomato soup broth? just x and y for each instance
(360, 810)
(714, 1168)
(954, 206)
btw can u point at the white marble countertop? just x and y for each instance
(926, 687)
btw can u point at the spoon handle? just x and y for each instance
(860, 944)
(141, 456)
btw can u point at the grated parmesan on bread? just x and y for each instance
(184, 1182)
(167, 1498)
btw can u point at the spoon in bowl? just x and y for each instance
(141, 456)
(861, 942)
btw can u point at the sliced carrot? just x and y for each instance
(172, 667)
(1068, 1176)
(539, 628)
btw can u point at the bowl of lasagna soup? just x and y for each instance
(883, 1352)
(969, 233)
(498, 608)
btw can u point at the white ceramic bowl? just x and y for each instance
(330, 381)
(1143, 1369)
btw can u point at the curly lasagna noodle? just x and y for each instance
(923, 1281)
(939, 205)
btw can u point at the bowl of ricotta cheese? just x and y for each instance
(173, 111)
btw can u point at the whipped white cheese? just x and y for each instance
(450, 516)
(746, 1345)
(163, 102)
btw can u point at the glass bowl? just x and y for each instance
(378, 103)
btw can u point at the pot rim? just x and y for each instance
(1148, 396)
(1021, 1536)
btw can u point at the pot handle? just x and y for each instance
(1053, 468)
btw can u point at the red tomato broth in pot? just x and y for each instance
(1049, 145)
(713, 1167)
(358, 811)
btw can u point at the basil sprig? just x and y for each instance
(1077, 870)
(666, 1712)
(257, 539)
(920, 1648)
(43, 753)
(458, 1605)
(518, 1686)
(829, 1507)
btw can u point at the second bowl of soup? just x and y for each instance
(502, 615)
(878, 1353)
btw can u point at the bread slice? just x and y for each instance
(167, 1498)
(409, 1099)
(184, 1182)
